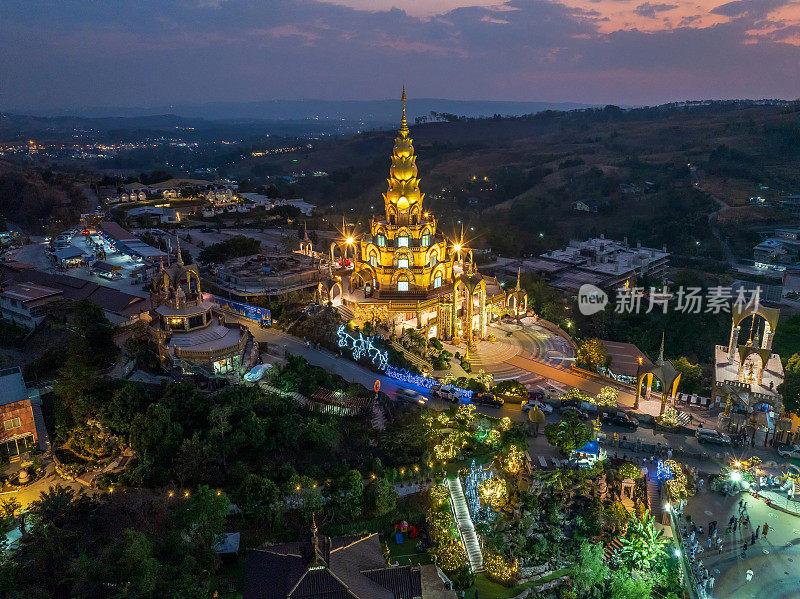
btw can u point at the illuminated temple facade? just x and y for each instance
(406, 272)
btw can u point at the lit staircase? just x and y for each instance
(465, 526)
(347, 313)
(654, 496)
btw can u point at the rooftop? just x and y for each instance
(12, 386)
(27, 292)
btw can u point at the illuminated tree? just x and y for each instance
(514, 461)
(592, 354)
(607, 396)
(494, 492)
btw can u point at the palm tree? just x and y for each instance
(643, 543)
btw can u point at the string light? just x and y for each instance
(426, 382)
(363, 346)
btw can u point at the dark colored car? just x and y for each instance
(577, 411)
(569, 403)
(620, 419)
(488, 399)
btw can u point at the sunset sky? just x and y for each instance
(64, 53)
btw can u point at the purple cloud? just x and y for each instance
(649, 10)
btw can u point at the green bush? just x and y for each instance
(466, 366)
(512, 387)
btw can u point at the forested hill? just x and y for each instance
(39, 201)
(516, 179)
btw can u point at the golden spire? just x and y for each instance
(519, 270)
(403, 121)
(180, 258)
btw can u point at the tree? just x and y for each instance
(380, 497)
(95, 343)
(790, 387)
(589, 570)
(691, 374)
(643, 543)
(625, 586)
(569, 434)
(255, 495)
(592, 354)
(616, 517)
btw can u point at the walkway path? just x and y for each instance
(465, 526)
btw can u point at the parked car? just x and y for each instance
(545, 408)
(620, 419)
(410, 396)
(447, 393)
(489, 399)
(577, 411)
(707, 435)
(569, 403)
(790, 452)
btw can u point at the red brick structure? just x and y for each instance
(21, 423)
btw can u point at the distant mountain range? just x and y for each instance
(371, 111)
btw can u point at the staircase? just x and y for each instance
(423, 365)
(347, 313)
(612, 548)
(38, 421)
(654, 496)
(468, 535)
(378, 419)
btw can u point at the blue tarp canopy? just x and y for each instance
(592, 447)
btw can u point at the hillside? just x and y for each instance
(39, 201)
(515, 179)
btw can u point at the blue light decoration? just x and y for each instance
(663, 471)
(476, 476)
(420, 380)
(363, 346)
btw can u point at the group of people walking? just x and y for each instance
(692, 532)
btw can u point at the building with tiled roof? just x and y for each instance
(321, 567)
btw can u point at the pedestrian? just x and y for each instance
(709, 541)
(731, 521)
(749, 575)
(700, 484)
(711, 583)
(753, 538)
(765, 530)
(747, 520)
(669, 453)
(691, 418)
(758, 531)
(733, 528)
(719, 545)
(741, 505)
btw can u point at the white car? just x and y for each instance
(545, 408)
(447, 393)
(257, 373)
(790, 453)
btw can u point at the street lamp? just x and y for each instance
(736, 476)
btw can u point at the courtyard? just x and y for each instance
(775, 560)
